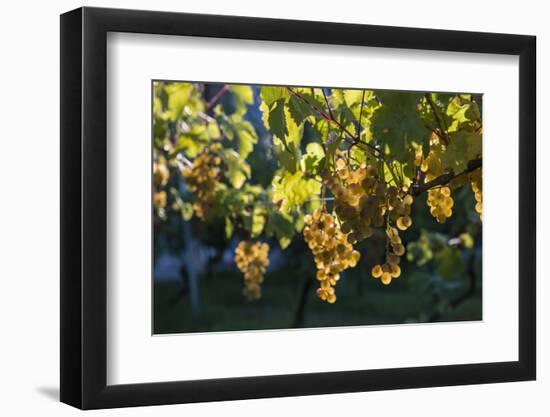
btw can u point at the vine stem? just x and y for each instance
(442, 128)
(313, 106)
(185, 160)
(328, 105)
(351, 139)
(360, 128)
(217, 96)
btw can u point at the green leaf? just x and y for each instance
(265, 114)
(247, 138)
(449, 263)
(463, 147)
(282, 226)
(246, 144)
(333, 143)
(286, 133)
(254, 221)
(228, 227)
(277, 121)
(235, 127)
(399, 101)
(420, 251)
(293, 190)
(321, 129)
(397, 124)
(315, 149)
(178, 96)
(213, 130)
(313, 160)
(157, 105)
(258, 220)
(243, 93)
(243, 96)
(314, 99)
(299, 110)
(353, 97)
(299, 222)
(159, 128)
(403, 172)
(186, 211)
(284, 242)
(288, 157)
(462, 112)
(192, 146)
(467, 240)
(272, 94)
(295, 131)
(237, 169)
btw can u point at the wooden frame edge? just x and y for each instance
(83, 209)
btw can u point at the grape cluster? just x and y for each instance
(252, 259)
(358, 199)
(395, 249)
(202, 178)
(159, 199)
(161, 175)
(440, 203)
(362, 200)
(477, 188)
(331, 249)
(398, 204)
(439, 200)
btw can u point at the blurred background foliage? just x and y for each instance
(271, 148)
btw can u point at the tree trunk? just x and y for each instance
(190, 261)
(298, 320)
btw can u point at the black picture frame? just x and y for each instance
(84, 207)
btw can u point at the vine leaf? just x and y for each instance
(178, 96)
(228, 227)
(449, 263)
(281, 225)
(277, 121)
(299, 110)
(254, 221)
(462, 113)
(243, 93)
(293, 190)
(313, 159)
(464, 146)
(247, 138)
(397, 124)
(272, 94)
(237, 169)
(288, 158)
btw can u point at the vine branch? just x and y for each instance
(360, 128)
(445, 178)
(217, 96)
(328, 105)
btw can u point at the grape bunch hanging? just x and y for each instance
(365, 199)
(201, 179)
(362, 203)
(332, 251)
(252, 259)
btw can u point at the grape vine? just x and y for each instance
(350, 165)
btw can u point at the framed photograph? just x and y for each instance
(258, 208)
